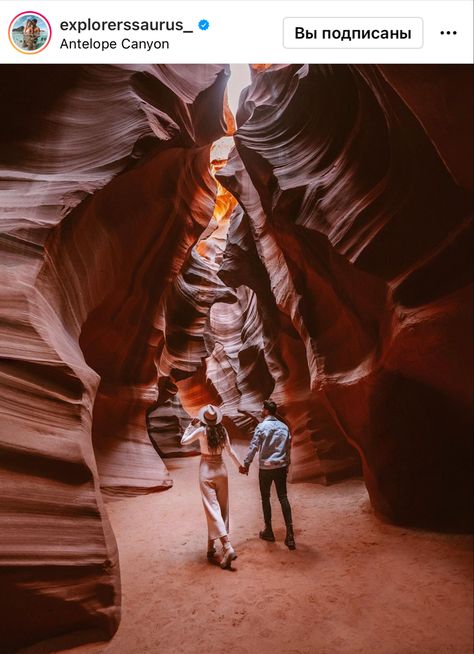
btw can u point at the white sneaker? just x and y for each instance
(229, 555)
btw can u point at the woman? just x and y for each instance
(28, 34)
(31, 34)
(213, 439)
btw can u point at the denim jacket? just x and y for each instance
(272, 439)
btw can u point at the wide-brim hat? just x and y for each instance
(210, 415)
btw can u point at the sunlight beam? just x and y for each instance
(239, 79)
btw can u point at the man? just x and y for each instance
(31, 34)
(272, 439)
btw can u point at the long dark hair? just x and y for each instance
(216, 436)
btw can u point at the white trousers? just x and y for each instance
(215, 495)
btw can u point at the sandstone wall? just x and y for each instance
(105, 189)
(352, 195)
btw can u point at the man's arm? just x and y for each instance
(253, 447)
(288, 448)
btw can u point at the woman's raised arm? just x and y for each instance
(191, 434)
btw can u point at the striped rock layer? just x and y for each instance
(359, 206)
(105, 188)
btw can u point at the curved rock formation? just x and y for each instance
(99, 211)
(320, 449)
(363, 235)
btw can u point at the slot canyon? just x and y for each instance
(159, 253)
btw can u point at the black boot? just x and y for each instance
(267, 533)
(290, 538)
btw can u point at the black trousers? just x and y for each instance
(265, 478)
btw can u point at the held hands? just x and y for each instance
(243, 470)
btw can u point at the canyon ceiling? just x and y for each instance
(326, 263)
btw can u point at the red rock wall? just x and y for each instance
(363, 232)
(106, 187)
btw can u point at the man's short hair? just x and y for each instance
(270, 406)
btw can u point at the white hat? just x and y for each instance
(210, 415)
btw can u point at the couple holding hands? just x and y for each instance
(272, 439)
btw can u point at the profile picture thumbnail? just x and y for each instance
(29, 32)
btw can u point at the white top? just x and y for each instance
(193, 433)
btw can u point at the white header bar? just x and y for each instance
(234, 31)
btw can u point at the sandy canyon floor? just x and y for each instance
(353, 586)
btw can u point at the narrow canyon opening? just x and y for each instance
(218, 347)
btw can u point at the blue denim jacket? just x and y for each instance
(272, 438)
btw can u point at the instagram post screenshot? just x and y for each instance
(236, 327)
